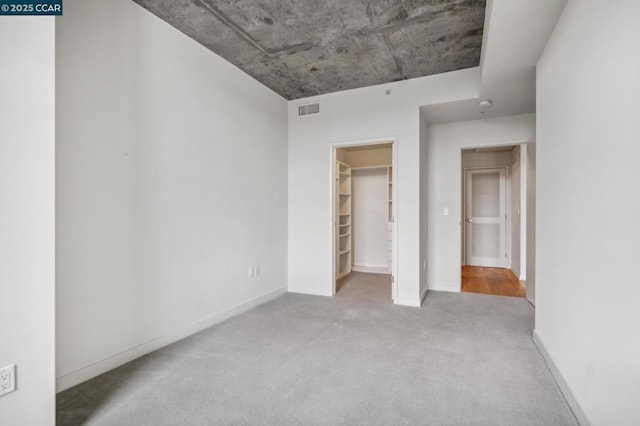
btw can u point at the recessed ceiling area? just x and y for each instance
(515, 34)
(307, 48)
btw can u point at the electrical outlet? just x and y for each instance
(7, 379)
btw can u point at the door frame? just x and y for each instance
(464, 147)
(394, 208)
(507, 223)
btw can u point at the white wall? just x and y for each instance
(370, 217)
(172, 168)
(530, 221)
(360, 114)
(443, 180)
(524, 207)
(514, 210)
(424, 236)
(27, 149)
(588, 204)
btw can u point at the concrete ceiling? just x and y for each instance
(309, 47)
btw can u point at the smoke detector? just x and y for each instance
(484, 105)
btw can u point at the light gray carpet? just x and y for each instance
(462, 359)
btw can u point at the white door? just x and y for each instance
(486, 217)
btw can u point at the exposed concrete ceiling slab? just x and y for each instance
(306, 48)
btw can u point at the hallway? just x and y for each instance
(496, 281)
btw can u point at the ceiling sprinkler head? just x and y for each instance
(387, 92)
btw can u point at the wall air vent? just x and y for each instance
(308, 109)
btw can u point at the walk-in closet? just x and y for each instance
(364, 213)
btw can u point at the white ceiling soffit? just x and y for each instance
(516, 32)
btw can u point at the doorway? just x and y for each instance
(363, 219)
(493, 226)
(486, 217)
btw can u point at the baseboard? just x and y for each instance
(83, 374)
(423, 295)
(407, 301)
(530, 300)
(416, 303)
(450, 287)
(562, 384)
(371, 269)
(310, 291)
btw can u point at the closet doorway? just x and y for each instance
(363, 220)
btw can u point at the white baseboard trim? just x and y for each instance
(562, 384)
(68, 380)
(423, 295)
(450, 288)
(531, 300)
(371, 269)
(311, 291)
(406, 301)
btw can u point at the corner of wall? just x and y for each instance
(569, 398)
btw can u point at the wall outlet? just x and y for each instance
(7, 379)
(254, 271)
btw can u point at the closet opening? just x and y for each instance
(363, 220)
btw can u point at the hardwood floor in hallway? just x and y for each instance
(496, 281)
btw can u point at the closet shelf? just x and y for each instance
(343, 191)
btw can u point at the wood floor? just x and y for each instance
(496, 281)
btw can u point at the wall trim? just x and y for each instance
(451, 287)
(408, 301)
(310, 292)
(562, 384)
(373, 268)
(68, 380)
(423, 295)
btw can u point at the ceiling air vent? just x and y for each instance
(309, 109)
